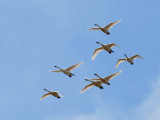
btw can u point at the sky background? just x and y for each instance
(36, 35)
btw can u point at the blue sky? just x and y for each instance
(39, 34)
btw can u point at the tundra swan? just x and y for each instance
(105, 80)
(54, 93)
(68, 70)
(106, 47)
(93, 83)
(106, 28)
(130, 59)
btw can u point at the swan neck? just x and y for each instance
(100, 43)
(88, 80)
(59, 68)
(98, 76)
(126, 56)
(46, 90)
(98, 26)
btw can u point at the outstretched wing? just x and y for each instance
(96, 52)
(55, 71)
(45, 95)
(111, 45)
(112, 76)
(109, 26)
(119, 61)
(136, 56)
(87, 87)
(74, 66)
(94, 29)
(92, 79)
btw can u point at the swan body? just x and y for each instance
(53, 93)
(106, 28)
(106, 47)
(68, 70)
(128, 59)
(98, 81)
(92, 84)
(105, 80)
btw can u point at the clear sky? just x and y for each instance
(36, 35)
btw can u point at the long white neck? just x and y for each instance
(88, 80)
(97, 76)
(99, 43)
(58, 67)
(97, 26)
(125, 55)
(47, 90)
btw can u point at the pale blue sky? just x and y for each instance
(39, 34)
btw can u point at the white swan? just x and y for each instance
(130, 59)
(106, 47)
(105, 79)
(93, 83)
(54, 93)
(106, 28)
(99, 81)
(68, 70)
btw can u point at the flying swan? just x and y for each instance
(106, 28)
(98, 81)
(54, 93)
(68, 70)
(106, 47)
(128, 59)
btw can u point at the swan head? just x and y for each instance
(55, 66)
(44, 89)
(97, 42)
(95, 24)
(95, 74)
(86, 79)
(125, 55)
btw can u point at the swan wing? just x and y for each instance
(92, 78)
(74, 66)
(55, 71)
(45, 95)
(136, 56)
(119, 61)
(94, 29)
(96, 51)
(111, 45)
(109, 26)
(112, 76)
(87, 87)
